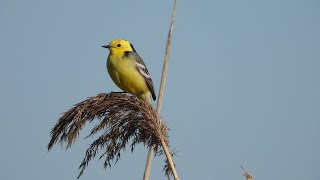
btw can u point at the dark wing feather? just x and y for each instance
(143, 70)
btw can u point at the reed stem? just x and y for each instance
(159, 104)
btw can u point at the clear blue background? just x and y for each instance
(243, 84)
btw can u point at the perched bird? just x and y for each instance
(128, 71)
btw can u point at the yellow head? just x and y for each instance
(119, 46)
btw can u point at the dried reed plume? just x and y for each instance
(121, 118)
(246, 173)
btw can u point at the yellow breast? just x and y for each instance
(125, 75)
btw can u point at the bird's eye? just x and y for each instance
(119, 45)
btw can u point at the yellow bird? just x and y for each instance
(128, 71)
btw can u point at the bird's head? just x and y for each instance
(119, 46)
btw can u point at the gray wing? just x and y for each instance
(143, 70)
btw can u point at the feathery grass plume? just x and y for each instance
(167, 168)
(246, 173)
(121, 118)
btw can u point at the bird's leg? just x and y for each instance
(119, 92)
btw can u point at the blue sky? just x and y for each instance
(243, 84)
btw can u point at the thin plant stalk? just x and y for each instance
(159, 103)
(147, 169)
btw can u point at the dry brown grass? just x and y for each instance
(246, 173)
(123, 120)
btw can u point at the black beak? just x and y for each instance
(106, 46)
